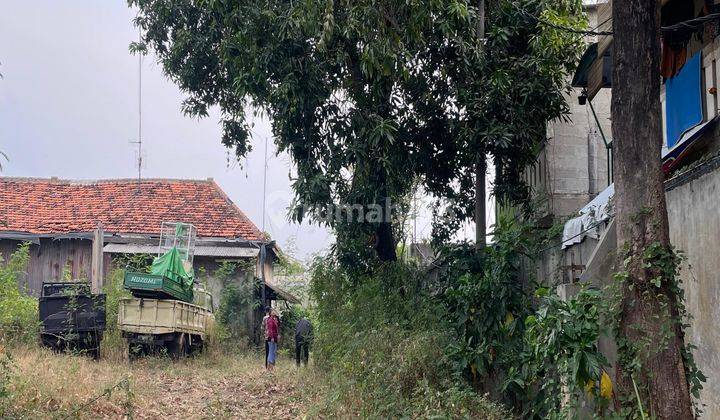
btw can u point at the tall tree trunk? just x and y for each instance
(481, 165)
(480, 201)
(385, 245)
(647, 330)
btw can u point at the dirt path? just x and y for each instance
(46, 385)
(245, 394)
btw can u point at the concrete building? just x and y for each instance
(691, 162)
(573, 167)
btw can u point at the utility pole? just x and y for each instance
(264, 185)
(480, 165)
(649, 326)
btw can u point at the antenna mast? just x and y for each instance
(139, 110)
(264, 185)
(139, 138)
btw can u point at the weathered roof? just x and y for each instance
(52, 206)
(199, 251)
(282, 294)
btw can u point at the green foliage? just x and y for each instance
(509, 86)
(226, 270)
(234, 330)
(664, 293)
(138, 263)
(367, 97)
(238, 300)
(288, 320)
(114, 292)
(6, 376)
(381, 341)
(487, 303)
(561, 364)
(287, 264)
(18, 311)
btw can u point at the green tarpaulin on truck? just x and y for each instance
(170, 265)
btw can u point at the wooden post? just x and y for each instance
(96, 271)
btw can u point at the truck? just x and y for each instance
(71, 317)
(177, 327)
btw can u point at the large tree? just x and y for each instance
(650, 331)
(367, 97)
(508, 91)
(355, 91)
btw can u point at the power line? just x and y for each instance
(684, 25)
(690, 24)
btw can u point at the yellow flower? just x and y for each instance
(509, 318)
(606, 386)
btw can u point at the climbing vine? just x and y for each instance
(664, 290)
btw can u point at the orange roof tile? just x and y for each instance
(51, 206)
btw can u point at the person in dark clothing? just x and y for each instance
(303, 339)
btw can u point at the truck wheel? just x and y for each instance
(198, 346)
(178, 347)
(95, 349)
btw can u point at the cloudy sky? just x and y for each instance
(69, 108)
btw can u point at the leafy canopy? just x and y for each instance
(367, 97)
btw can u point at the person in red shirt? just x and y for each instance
(272, 329)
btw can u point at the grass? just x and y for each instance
(47, 385)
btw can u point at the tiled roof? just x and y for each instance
(51, 206)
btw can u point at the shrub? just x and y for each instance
(562, 367)
(288, 321)
(381, 340)
(233, 329)
(113, 345)
(18, 311)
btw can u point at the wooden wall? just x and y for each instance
(50, 258)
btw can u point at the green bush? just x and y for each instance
(381, 341)
(288, 321)
(113, 342)
(561, 366)
(18, 311)
(233, 328)
(487, 303)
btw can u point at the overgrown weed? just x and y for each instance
(18, 310)
(381, 344)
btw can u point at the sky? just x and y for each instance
(69, 109)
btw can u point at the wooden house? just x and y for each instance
(81, 229)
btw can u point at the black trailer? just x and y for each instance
(71, 317)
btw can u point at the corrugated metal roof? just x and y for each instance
(283, 294)
(201, 251)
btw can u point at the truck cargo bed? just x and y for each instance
(160, 316)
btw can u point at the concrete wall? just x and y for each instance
(575, 156)
(694, 218)
(572, 168)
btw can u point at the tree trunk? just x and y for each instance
(481, 165)
(385, 245)
(480, 201)
(647, 329)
